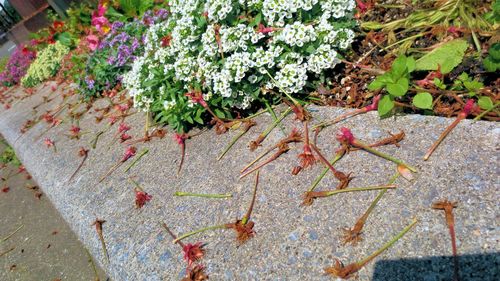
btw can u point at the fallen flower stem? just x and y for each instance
(79, 166)
(486, 112)
(283, 149)
(448, 206)
(246, 218)
(98, 226)
(6, 252)
(275, 117)
(338, 156)
(136, 159)
(11, 234)
(254, 144)
(95, 139)
(354, 234)
(247, 126)
(468, 108)
(186, 235)
(354, 189)
(91, 261)
(383, 155)
(345, 272)
(181, 193)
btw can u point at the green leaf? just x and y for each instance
(399, 66)
(494, 51)
(65, 39)
(411, 64)
(399, 88)
(376, 84)
(448, 56)
(485, 103)
(490, 65)
(439, 83)
(385, 105)
(423, 100)
(219, 113)
(473, 85)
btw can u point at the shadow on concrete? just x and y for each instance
(481, 267)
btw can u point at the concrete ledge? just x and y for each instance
(292, 242)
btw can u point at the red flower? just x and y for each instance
(165, 41)
(307, 158)
(82, 152)
(197, 97)
(130, 152)
(58, 24)
(48, 118)
(112, 120)
(123, 128)
(264, 30)
(122, 107)
(125, 137)
(48, 142)
(5, 189)
(362, 7)
(345, 136)
(21, 169)
(374, 105)
(141, 198)
(75, 130)
(193, 252)
(469, 107)
(180, 138)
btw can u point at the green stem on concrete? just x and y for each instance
(275, 123)
(383, 155)
(275, 117)
(95, 139)
(186, 235)
(386, 245)
(338, 156)
(11, 234)
(143, 152)
(181, 193)
(354, 189)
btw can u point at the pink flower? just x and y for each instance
(469, 107)
(180, 138)
(193, 252)
(75, 130)
(345, 136)
(141, 198)
(48, 142)
(374, 105)
(112, 120)
(362, 7)
(125, 137)
(264, 30)
(197, 97)
(92, 42)
(123, 128)
(130, 152)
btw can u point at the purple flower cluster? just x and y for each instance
(17, 66)
(116, 52)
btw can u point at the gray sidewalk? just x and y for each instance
(291, 242)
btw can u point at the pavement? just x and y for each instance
(36, 243)
(292, 242)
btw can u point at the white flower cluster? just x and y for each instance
(297, 34)
(230, 49)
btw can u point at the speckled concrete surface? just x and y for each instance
(292, 242)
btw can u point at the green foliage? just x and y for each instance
(79, 17)
(3, 63)
(485, 103)
(446, 56)
(134, 8)
(493, 16)
(8, 156)
(423, 100)
(492, 61)
(465, 82)
(396, 82)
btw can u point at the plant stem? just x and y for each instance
(269, 129)
(110, 171)
(338, 156)
(143, 152)
(245, 219)
(186, 235)
(275, 117)
(96, 138)
(91, 261)
(281, 89)
(386, 245)
(11, 234)
(383, 155)
(172, 234)
(181, 193)
(353, 189)
(79, 167)
(442, 137)
(486, 112)
(346, 115)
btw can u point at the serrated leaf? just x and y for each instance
(485, 103)
(385, 105)
(423, 100)
(448, 56)
(399, 88)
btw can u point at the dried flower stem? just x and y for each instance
(181, 193)
(12, 233)
(254, 144)
(79, 167)
(93, 143)
(468, 108)
(94, 268)
(366, 147)
(282, 149)
(136, 159)
(353, 189)
(186, 235)
(6, 252)
(346, 272)
(245, 219)
(354, 234)
(98, 226)
(338, 156)
(247, 125)
(172, 235)
(324, 161)
(448, 206)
